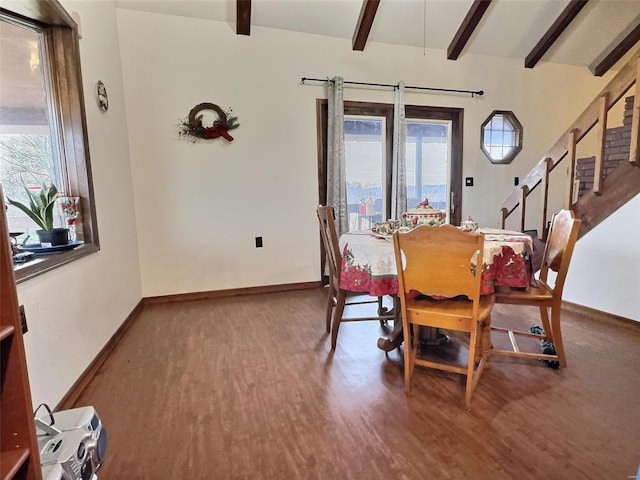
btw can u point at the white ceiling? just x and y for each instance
(509, 28)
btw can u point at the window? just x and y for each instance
(364, 144)
(428, 162)
(501, 136)
(434, 159)
(42, 120)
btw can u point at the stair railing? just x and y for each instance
(565, 147)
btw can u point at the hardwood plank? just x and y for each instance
(467, 27)
(601, 141)
(365, 22)
(247, 387)
(243, 17)
(634, 149)
(555, 30)
(11, 461)
(618, 52)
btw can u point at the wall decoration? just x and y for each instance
(101, 93)
(193, 128)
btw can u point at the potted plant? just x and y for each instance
(40, 210)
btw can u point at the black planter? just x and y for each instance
(55, 237)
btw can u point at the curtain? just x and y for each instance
(336, 165)
(399, 180)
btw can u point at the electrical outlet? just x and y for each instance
(468, 182)
(258, 242)
(516, 181)
(23, 320)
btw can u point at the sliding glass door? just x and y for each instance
(428, 162)
(434, 159)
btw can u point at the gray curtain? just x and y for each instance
(336, 165)
(399, 181)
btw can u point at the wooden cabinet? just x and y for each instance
(19, 457)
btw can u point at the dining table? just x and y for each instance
(369, 266)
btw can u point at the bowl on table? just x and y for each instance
(423, 214)
(469, 225)
(386, 228)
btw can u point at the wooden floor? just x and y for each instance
(247, 388)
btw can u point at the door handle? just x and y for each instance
(453, 203)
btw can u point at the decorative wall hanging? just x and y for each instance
(101, 95)
(192, 126)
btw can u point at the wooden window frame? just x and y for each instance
(63, 57)
(455, 115)
(511, 118)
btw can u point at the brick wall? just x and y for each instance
(616, 149)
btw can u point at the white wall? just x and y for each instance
(74, 310)
(605, 265)
(199, 206)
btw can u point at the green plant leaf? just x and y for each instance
(30, 213)
(41, 205)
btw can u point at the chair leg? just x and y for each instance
(409, 356)
(330, 305)
(382, 310)
(337, 317)
(557, 334)
(473, 342)
(546, 326)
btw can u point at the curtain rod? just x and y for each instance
(452, 90)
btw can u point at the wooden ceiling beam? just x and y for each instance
(468, 25)
(618, 52)
(555, 30)
(365, 21)
(243, 17)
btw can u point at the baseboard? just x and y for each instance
(598, 314)
(232, 292)
(69, 400)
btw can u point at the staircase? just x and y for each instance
(607, 180)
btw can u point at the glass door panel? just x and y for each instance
(365, 146)
(428, 163)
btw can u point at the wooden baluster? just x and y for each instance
(544, 196)
(524, 191)
(504, 214)
(602, 138)
(634, 153)
(571, 156)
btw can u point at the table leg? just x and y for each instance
(394, 340)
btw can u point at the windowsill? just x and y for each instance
(44, 263)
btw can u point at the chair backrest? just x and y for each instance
(558, 249)
(439, 261)
(326, 218)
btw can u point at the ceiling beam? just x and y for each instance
(468, 25)
(618, 52)
(243, 17)
(555, 30)
(365, 21)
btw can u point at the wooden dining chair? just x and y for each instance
(337, 297)
(558, 250)
(446, 264)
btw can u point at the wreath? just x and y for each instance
(192, 126)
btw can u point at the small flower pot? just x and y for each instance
(55, 237)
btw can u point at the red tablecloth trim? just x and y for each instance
(508, 270)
